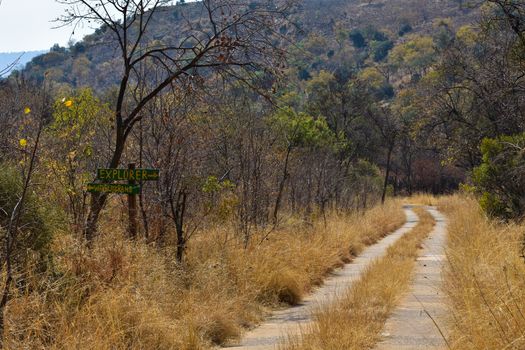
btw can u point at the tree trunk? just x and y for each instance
(179, 225)
(387, 174)
(281, 186)
(142, 205)
(98, 200)
(144, 215)
(96, 205)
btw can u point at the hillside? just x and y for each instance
(382, 14)
(93, 61)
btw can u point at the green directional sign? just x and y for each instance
(113, 188)
(128, 174)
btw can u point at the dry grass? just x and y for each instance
(422, 199)
(128, 295)
(485, 279)
(357, 319)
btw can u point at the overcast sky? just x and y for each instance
(26, 25)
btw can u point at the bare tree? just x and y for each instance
(232, 37)
(14, 223)
(513, 12)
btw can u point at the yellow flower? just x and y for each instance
(23, 142)
(68, 103)
(27, 110)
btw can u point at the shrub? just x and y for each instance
(500, 179)
(357, 38)
(380, 49)
(404, 29)
(34, 233)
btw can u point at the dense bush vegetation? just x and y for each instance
(500, 179)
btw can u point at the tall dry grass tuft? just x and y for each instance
(129, 295)
(485, 279)
(356, 320)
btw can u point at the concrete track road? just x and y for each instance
(290, 321)
(418, 322)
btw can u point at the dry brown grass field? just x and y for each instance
(129, 295)
(355, 321)
(485, 279)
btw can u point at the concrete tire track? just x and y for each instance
(290, 321)
(419, 320)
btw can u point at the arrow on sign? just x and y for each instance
(113, 188)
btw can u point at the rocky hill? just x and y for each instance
(93, 61)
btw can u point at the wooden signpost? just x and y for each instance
(131, 188)
(132, 202)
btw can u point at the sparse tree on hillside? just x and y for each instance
(513, 12)
(297, 130)
(231, 37)
(387, 124)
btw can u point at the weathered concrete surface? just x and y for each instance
(290, 321)
(413, 325)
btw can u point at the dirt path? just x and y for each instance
(413, 325)
(289, 321)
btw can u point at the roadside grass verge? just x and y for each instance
(130, 295)
(485, 279)
(357, 318)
